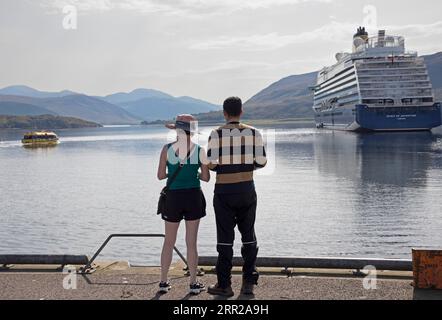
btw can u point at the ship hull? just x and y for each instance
(363, 118)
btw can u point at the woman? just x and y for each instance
(184, 198)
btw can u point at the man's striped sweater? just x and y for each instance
(235, 150)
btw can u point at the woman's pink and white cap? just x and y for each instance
(185, 122)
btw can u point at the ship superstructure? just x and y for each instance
(378, 87)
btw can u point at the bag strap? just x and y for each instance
(177, 171)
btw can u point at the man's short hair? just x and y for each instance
(233, 106)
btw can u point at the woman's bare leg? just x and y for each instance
(192, 251)
(171, 230)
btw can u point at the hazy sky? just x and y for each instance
(207, 49)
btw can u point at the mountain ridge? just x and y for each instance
(134, 95)
(152, 105)
(78, 106)
(118, 108)
(22, 90)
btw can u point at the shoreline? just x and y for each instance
(246, 121)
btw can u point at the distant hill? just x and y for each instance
(44, 122)
(137, 94)
(78, 106)
(30, 92)
(152, 109)
(152, 105)
(291, 98)
(92, 109)
(288, 98)
(21, 109)
(198, 102)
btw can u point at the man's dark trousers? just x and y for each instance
(233, 209)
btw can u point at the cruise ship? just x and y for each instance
(378, 87)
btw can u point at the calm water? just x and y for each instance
(331, 194)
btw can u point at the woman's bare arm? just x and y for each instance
(162, 173)
(205, 172)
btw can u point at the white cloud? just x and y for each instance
(192, 8)
(332, 32)
(259, 68)
(417, 30)
(227, 66)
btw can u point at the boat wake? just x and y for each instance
(159, 136)
(10, 144)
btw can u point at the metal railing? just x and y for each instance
(88, 267)
(320, 263)
(42, 259)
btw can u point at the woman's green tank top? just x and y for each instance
(188, 177)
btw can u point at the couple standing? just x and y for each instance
(235, 150)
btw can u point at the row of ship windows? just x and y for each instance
(391, 67)
(325, 95)
(396, 59)
(371, 71)
(372, 86)
(404, 101)
(337, 89)
(394, 78)
(367, 67)
(343, 99)
(381, 102)
(401, 109)
(343, 81)
(405, 92)
(339, 76)
(342, 104)
(365, 87)
(351, 94)
(331, 114)
(381, 111)
(389, 73)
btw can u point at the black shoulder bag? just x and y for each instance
(163, 194)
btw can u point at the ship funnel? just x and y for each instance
(360, 39)
(361, 33)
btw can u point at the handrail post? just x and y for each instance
(88, 266)
(89, 263)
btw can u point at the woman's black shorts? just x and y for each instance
(187, 204)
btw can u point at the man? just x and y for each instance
(235, 150)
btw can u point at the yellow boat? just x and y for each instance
(40, 139)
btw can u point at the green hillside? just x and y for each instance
(44, 122)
